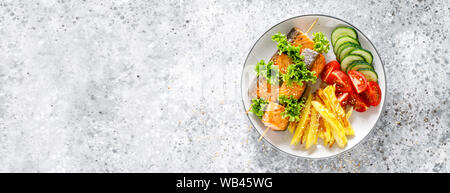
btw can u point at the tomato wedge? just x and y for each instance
(359, 81)
(329, 68)
(358, 102)
(373, 93)
(342, 81)
(343, 98)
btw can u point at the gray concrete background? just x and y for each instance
(154, 86)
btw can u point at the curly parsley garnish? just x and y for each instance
(321, 44)
(258, 106)
(292, 107)
(298, 73)
(285, 47)
(268, 71)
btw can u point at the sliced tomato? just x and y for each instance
(343, 98)
(359, 81)
(329, 68)
(373, 93)
(358, 102)
(342, 81)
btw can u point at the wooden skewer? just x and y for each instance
(249, 109)
(312, 25)
(262, 135)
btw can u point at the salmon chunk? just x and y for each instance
(309, 57)
(265, 90)
(318, 65)
(282, 61)
(294, 90)
(272, 117)
(303, 40)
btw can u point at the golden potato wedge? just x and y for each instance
(328, 135)
(292, 126)
(324, 98)
(332, 143)
(329, 94)
(337, 129)
(349, 113)
(301, 126)
(311, 137)
(305, 133)
(321, 129)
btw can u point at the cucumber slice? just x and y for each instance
(343, 31)
(343, 40)
(345, 49)
(344, 45)
(369, 73)
(364, 53)
(348, 60)
(358, 64)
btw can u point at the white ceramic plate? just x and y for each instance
(264, 48)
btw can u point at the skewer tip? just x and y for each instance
(262, 135)
(312, 25)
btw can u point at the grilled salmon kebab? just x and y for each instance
(314, 61)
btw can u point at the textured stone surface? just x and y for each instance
(130, 86)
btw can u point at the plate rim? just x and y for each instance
(384, 98)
